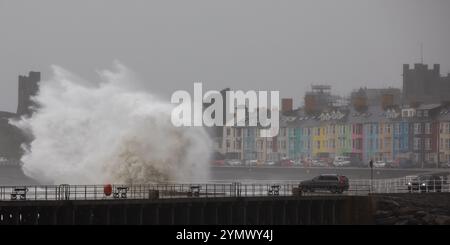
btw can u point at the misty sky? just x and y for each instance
(242, 44)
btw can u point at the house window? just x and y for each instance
(416, 143)
(417, 128)
(427, 128)
(318, 145)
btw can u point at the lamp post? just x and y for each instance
(371, 175)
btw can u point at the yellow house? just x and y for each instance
(319, 140)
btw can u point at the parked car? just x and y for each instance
(233, 162)
(319, 163)
(341, 161)
(286, 162)
(406, 163)
(218, 162)
(393, 164)
(298, 162)
(379, 164)
(425, 183)
(326, 182)
(251, 162)
(269, 163)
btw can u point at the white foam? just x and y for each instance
(109, 131)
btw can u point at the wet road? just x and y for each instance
(15, 176)
(277, 174)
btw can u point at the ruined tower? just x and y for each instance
(28, 87)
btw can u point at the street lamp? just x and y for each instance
(371, 175)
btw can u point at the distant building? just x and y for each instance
(376, 96)
(11, 138)
(217, 132)
(318, 99)
(421, 84)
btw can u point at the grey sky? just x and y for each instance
(243, 44)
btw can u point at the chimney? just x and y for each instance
(286, 105)
(359, 100)
(310, 103)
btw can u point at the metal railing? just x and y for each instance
(160, 191)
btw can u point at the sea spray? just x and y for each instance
(109, 132)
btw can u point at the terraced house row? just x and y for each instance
(419, 135)
(409, 125)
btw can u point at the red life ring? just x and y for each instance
(107, 189)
